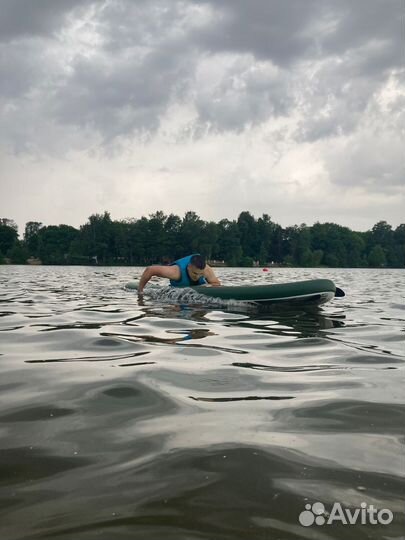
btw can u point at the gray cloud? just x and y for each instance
(269, 30)
(363, 22)
(318, 86)
(127, 62)
(118, 97)
(22, 18)
(244, 93)
(20, 70)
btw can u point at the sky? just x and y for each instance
(294, 108)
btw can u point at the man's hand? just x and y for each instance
(210, 276)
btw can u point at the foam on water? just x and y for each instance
(186, 295)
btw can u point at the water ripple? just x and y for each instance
(189, 442)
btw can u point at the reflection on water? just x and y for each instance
(224, 423)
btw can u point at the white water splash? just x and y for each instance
(186, 295)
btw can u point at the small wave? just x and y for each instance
(241, 398)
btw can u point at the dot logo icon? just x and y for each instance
(316, 514)
(312, 514)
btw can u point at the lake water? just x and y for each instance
(162, 420)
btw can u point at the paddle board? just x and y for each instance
(313, 291)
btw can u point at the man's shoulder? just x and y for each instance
(167, 271)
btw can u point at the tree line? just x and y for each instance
(162, 238)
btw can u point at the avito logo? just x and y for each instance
(366, 514)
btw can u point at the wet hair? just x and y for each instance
(198, 261)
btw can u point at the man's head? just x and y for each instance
(196, 267)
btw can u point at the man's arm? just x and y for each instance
(210, 276)
(169, 272)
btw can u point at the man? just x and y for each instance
(186, 272)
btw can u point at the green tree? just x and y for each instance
(8, 236)
(303, 253)
(97, 238)
(263, 253)
(355, 246)
(316, 258)
(138, 236)
(339, 246)
(173, 232)
(31, 237)
(246, 261)
(289, 242)
(156, 243)
(9, 223)
(121, 253)
(208, 239)
(248, 234)
(191, 227)
(276, 245)
(376, 257)
(18, 253)
(54, 243)
(229, 247)
(383, 235)
(299, 242)
(268, 243)
(399, 240)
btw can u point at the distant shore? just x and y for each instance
(243, 242)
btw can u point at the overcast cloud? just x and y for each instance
(294, 108)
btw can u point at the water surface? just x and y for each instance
(163, 419)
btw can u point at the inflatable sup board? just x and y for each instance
(313, 291)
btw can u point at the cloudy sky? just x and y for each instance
(295, 108)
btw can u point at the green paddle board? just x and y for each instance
(313, 291)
